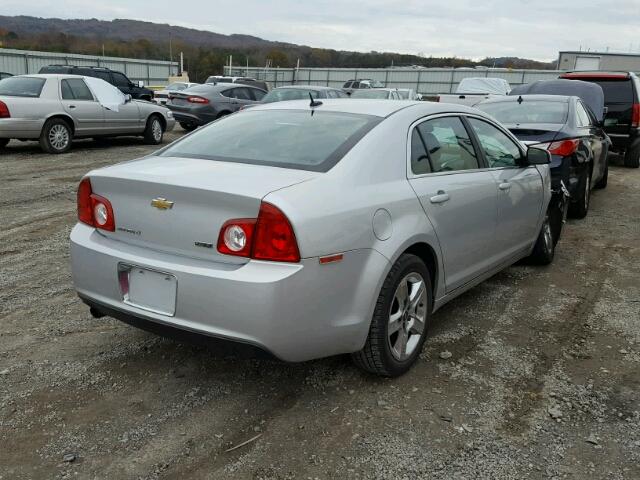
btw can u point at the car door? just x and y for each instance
(520, 190)
(78, 101)
(595, 136)
(240, 96)
(457, 194)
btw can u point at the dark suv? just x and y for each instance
(622, 99)
(117, 79)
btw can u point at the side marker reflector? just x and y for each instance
(331, 259)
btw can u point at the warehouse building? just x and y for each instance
(583, 60)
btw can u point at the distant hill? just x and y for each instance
(205, 52)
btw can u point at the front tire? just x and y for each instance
(580, 207)
(602, 183)
(4, 142)
(56, 136)
(189, 127)
(399, 324)
(154, 131)
(545, 247)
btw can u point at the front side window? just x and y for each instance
(355, 85)
(447, 144)
(75, 89)
(22, 86)
(120, 81)
(257, 94)
(279, 138)
(498, 148)
(282, 94)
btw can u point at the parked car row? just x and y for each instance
(57, 108)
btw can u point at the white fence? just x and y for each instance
(152, 72)
(429, 81)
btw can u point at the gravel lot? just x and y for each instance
(533, 374)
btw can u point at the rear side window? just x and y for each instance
(257, 94)
(22, 86)
(75, 89)
(280, 138)
(499, 149)
(448, 145)
(419, 158)
(583, 119)
(347, 85)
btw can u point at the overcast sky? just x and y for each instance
(535, 29)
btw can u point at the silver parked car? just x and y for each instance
(311, 231)
(377, 93)
(56, 108)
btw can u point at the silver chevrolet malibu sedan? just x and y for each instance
(313, 230)
(55, 109)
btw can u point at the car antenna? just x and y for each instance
(314, 103)
(519, 99)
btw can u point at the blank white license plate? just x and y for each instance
(148, 289)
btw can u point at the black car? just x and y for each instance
(117, 79)
(4, 75)
(622, 99)
(569, 130)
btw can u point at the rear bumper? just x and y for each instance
(296, 312)
(193, 118)
(20, 128)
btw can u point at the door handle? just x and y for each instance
(440, 197)
(72, 106)
(504, 186)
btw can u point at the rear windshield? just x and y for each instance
(537, 111)
(370, 94)
(21, 86)
(200, 89)
(282, 94)
(616, 91)
(219, 79)
(298, 139)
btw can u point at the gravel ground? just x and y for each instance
(533, 374)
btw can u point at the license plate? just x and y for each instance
(148, 289)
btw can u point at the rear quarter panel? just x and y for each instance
(334, 213)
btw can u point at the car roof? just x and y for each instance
(50, 75)
(375, 107)
(306, 87)
(543, 98)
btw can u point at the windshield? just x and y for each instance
(537, 111)
(282, 94)
(219, 80)
(21, 86)
(298, 139)
(404, 94)
(370, 94)
(176, 86)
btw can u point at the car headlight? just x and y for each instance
(169, 114)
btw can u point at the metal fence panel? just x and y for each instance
(428, 81)
(153, 72)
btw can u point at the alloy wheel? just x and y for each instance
(156, 129)
(59, 137)
(407, 316)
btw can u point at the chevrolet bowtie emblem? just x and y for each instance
(161, 203)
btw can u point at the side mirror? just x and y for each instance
(127, 98)
(538, 156)
(140, 84)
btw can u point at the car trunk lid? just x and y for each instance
(192, 198)
(536, 132)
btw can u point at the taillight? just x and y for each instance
(196, 99)
(564, 148)
(4, 111)
(93, 209)
(635, 115)
(268, 237)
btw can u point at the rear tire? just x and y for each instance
(154, 131)
(4, 142)
(400, 319)
(580, 207)
(602, 183)
(545, 247)
(632, 157)
(56, 136)
(189, 127)
(223, 114)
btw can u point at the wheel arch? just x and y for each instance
(63, 116)
(163, 120)
(428, 255)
